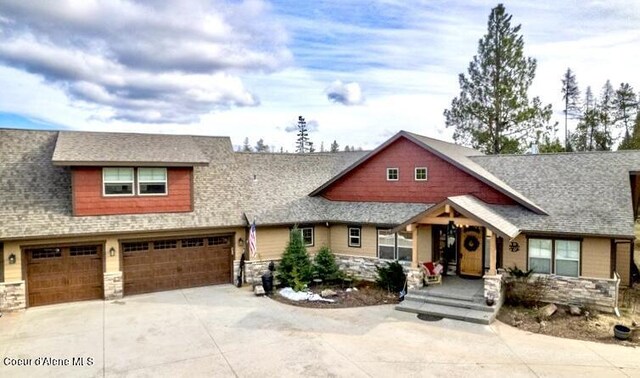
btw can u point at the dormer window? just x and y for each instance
(393, 174)
(117, 181)
(152, 181)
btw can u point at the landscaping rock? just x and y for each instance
(326, 293)
(548, 310)
(575, 310)
(258, 290)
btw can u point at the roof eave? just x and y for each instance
(93, 163)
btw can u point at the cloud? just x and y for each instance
(345, 93)
(312, 126)
(169, 62)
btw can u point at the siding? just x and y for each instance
(596, 258)
(368, 181)
(272, 241)
(368, 241)
(425, 244)
(88, 199)
(623, 261)
(519, 258)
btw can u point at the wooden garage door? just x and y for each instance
(64, 274)
(176, 263)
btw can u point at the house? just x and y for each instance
(90, 215)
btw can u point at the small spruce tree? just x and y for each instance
(325, 265)
(295, 267)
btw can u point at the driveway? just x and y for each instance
(225, 331)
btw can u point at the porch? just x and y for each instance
(456, 298)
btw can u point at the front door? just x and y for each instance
(471, 252)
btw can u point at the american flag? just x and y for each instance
(252, 240)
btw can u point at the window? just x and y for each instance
(85, 250)
(218, 240)
(193, 242)
(135, 246)
(45, 253)
(392, 174)
(152, 181)
(307, 235)
(117, 181)
(421, 174)
(354, 236)
(165, 244)
(540, 255)
(568, 258)
(398, 246)
(561, 257)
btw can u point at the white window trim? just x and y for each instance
(426, 174)
(349, 236)
(397, 171)
(165, 182)
(555, 245)
(105, 182)
(312, 235)
(395, 246)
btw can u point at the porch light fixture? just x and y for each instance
(112, 252)
(240, 242)
(12, 258)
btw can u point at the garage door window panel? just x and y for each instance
(165, 244)
(152, 181)
(117, 181)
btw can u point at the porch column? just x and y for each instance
(414, 245)
(492, 252)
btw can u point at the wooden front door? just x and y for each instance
(159, 265)
(471, 255)
(64, 274)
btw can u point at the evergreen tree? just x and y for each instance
(303, 144)
(260, 146)
(588, 135)
(606, 113)
(334, 146)
(493, 111)
(325, 265)
(633, 142)
(246, 147)
(295, 268)
(626, 106)
(347, 148)
(570, 95)
(311, 149)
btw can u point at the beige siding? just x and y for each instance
(519, 258)
(321, 238)
(12, 272)
(425, 244)
(596, 258)
(623, 261)
(340, 243)
(271, 242)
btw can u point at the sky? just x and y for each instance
(358, 71)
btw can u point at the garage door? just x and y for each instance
(64, 274)
(169, 264)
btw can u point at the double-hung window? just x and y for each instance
(117, 181)
(152, 181)
(398, 246)
(540, 255)
(354, 236)
(307, 236)
(561, 257)
(568, 258)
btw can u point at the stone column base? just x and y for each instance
(113, 285)
(493, 288)
(13, 296)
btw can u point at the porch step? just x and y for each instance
(449, 312)
(448, 295)
(475, 304)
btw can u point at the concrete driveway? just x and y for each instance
(225, 331)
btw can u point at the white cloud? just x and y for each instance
(345, 93)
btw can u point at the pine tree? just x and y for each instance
(626, 106)
(607, 117)
(570, 95)
(303, 144)
(261, 147)
(325, 266)
(246, 147)
(334, 146)
(347, 148)
(493, 111)
(295, 266)
(633, 143)
(322, 146)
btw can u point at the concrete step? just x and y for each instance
(451, 302)
(448, 295)
(456, 313)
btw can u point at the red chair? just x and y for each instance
(432, 273)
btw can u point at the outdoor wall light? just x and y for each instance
(240, 242)
(12, 259)
(112, 252)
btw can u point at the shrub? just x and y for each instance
(295, 257)
(519, 273)
(391, 277)
(325, 266)
(524, 291)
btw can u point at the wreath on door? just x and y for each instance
(471, 243)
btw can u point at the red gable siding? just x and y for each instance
(368, 181)
(88, 198)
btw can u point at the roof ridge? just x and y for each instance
(564, 153)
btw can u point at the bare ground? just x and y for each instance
(368, 294)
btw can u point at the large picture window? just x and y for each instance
(557, 256)
(398, 246)
(152, 181)
(117, 181)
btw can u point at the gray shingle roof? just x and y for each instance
(91, 148)
(583, 193)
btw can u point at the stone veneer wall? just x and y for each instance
(13, 296)
(493, 289)
(113, 285)
(363, 268)
(598, 293)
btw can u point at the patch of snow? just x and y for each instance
(297, 296)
